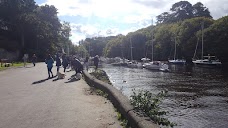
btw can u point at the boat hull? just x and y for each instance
(156, 66)
(207, 63)
(177, 61)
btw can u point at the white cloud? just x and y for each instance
(135, 13)
(132, 9)
(75, 38)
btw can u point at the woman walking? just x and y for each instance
(49, 61)
(58, 62)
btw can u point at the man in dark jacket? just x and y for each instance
(58, 62)
(78, 67)
(96, 61)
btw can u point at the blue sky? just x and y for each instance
(92, 18)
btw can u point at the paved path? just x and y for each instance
(29, 100)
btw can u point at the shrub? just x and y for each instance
(148, 104)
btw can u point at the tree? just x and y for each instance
(17, 16)
(215, 39)
(199, 10)
(181, 10)
(164, 17)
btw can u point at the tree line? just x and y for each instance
(183, 23)
(30, 28)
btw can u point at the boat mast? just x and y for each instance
(202, 27)
(194, 56)
(131, 50)
(175, 50)
(152, 52)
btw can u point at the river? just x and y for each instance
(197, 97)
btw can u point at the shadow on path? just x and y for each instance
(40, 81)
(72, 79)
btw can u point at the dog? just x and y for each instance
(61, 75)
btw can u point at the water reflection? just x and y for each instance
(197, 97)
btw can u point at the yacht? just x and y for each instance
(205, 60)
(176, 61)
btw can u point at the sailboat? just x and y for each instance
(155, 65)
(205, 60)
(176, 61)
(132, 63)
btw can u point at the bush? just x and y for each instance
(148, 104)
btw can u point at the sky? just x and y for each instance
(101, 18)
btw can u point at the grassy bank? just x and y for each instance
(16, 64)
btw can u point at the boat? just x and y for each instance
(208, 61)
(133, 63)
(205, 60)
(176, 61)
(155, 65)
(120, 62)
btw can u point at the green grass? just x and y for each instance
(101, 75)
(16, 64)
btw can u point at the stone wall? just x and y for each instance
(121, 102)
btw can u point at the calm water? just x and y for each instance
(197, 97)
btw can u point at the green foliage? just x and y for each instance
(148, 104)
(183, 10)
(101, 93)
(15, 64)
(101, 75)
(33, 28)
(123, 121)
(216, 36)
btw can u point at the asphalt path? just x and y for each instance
(29, 100)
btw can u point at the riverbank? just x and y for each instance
(121, 103)
(196, 96)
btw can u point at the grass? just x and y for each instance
(101, 75)
(16, 64)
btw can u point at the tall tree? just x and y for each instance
(199, 10)
(182, 10)
(164, 17)
(17, 15)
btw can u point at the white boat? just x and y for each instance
(205, 60)
(176, 61)
(208, 61)
(155, 65)
(132, 63)
(120, 62)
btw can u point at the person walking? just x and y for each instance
(96, 61)
(58, 63)
(25, 58)
(49, 61)
(65, 62)
(34, 59)
(86, 63)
